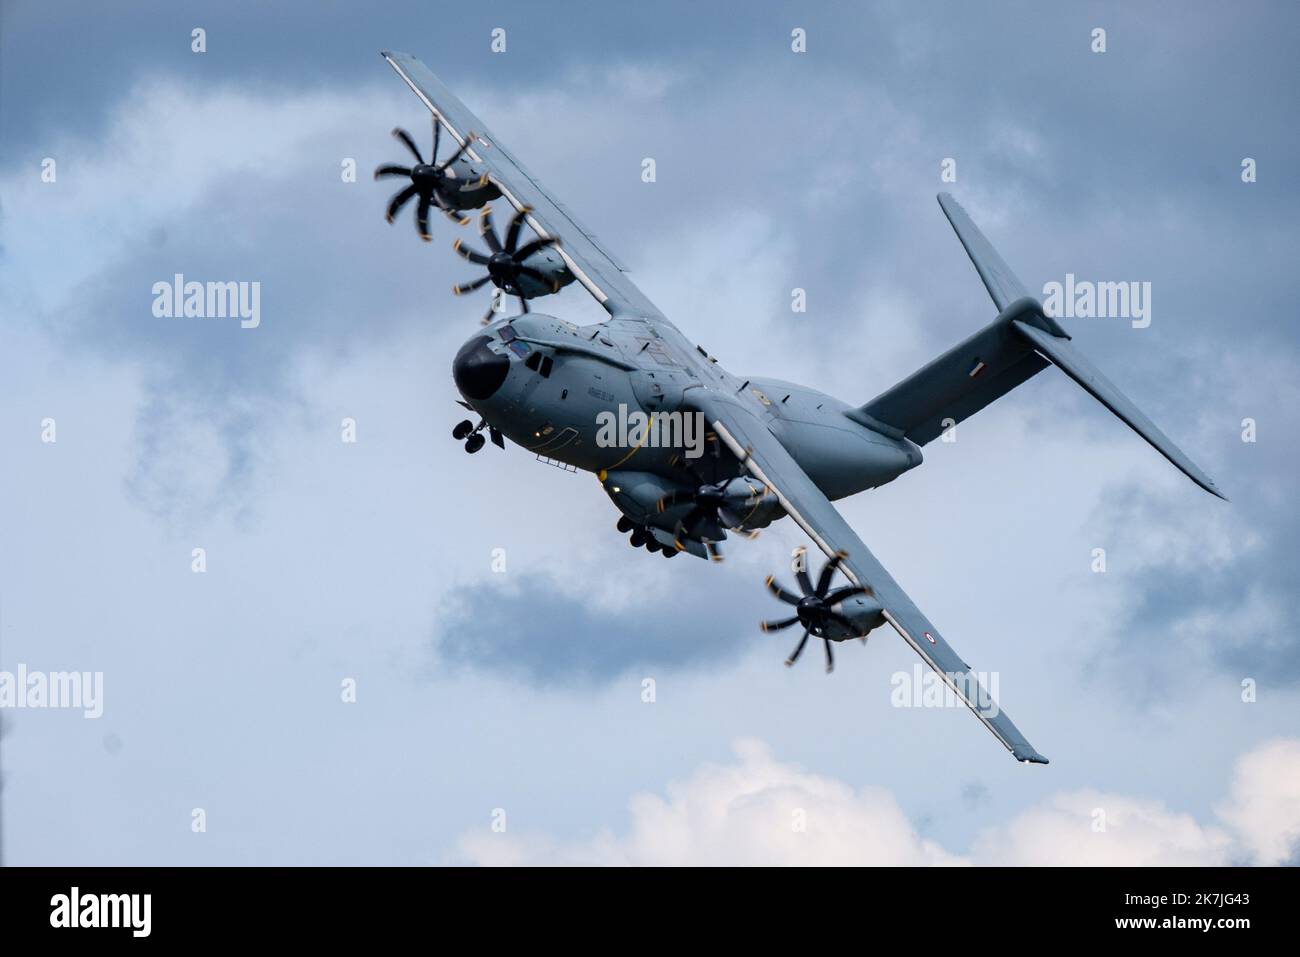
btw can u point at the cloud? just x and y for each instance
(1095, 829)
(1263, 804)
(760, 811)
(549, 631)
(1217, 590)
(754, 811)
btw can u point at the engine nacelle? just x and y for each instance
(554, 274)
(467, 185)
(750, 504)
(863, 611)
(637, 494)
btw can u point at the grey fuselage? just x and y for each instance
(621, 366)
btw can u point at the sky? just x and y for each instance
(528, 688)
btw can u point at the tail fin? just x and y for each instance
(1017, 345)
(999, 280)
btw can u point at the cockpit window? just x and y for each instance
(507, 333)
(540, 364)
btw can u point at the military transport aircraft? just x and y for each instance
(771, 448)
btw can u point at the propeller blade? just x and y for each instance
(487, 231)
(460, 219)
(471, 286)
(781, 593)
(422, 218)
(729, 519)
(805, 583)
(398, 201)
(678, 497)
(437, 138)
(828, 572)
(830, 658)
(523, 303)
(536, 244)
(849, 591)
(457, 155)
(405, 137)
(798, 649)
(477, 259)
(487, 316)
(390, 169)
(516, 227)
(780, 625)
(693, 518)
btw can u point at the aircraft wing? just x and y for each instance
(593, 266)
(769, 462)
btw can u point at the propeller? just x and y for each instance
(814, 608)
(708, 504)
(429, 182)
(506, 261)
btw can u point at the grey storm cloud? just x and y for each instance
(532, 630)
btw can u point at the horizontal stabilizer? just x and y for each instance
(1076, 365)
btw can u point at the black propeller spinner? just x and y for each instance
(506, 264)
(813, 609)
(428, 181)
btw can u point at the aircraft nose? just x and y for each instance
(479, 371)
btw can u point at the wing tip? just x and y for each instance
(1027, 755)
(1196, 475)
(1213, 489)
